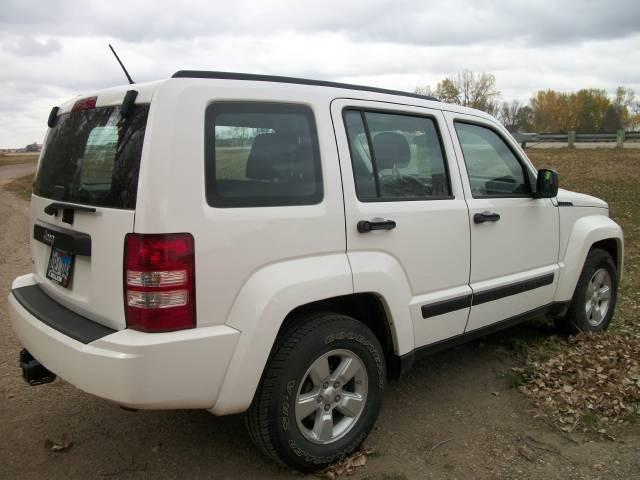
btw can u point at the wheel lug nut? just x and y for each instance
(336, 385)
(337, 398)
(320, 399)
(325, 385)
(327, 407)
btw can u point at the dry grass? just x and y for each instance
(21, 186)
(614, 176)
(17, 158)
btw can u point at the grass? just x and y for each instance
(17, 158)
(516, 379)
(21, 186)
(614, 176)
(231, 163)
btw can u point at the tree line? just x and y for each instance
(589, 110)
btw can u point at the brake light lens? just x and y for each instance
(88, 103)
(159, 276)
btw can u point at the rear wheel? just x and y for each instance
(320, 394)
(594, 299)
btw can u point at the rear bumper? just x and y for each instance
(182, 369)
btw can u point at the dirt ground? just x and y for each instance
(454, 416)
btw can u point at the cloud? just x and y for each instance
(436, 22)
(51, 54)
(32, 47)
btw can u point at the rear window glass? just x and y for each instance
(261, 154)
(92, 157)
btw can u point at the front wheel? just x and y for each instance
(320, 394)
(594, 299)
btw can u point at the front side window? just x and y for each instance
(261, 154)
(493, 168)
(396, 157)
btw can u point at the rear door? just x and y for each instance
(406, 218)
(514, 236)
(84, 204)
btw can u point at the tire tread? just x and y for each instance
(257, 417)
(570, 323)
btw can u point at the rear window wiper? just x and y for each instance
(68, 210)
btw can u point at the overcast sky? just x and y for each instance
(51, 50)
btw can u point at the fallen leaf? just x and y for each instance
(61, 446)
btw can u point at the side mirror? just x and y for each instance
(547, 183)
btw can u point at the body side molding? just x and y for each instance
(512, 289)
(466, 301)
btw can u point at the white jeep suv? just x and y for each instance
(281, 246)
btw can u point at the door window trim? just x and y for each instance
(362, 111)
(528, 174)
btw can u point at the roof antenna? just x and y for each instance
(131, 82)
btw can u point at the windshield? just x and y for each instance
(92, 157)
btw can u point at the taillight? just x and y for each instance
(88, 103)
(159, 282)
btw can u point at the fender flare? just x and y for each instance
(263, 303)
(586, 231)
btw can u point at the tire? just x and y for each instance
(316, 344)
(587, 312)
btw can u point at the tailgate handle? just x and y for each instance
(68, 210)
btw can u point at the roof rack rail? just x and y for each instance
(300, 81)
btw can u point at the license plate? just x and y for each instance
(60, 267)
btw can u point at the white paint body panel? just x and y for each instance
(256, 265)
(231, 244)
(130, 368)
(581, 228)
(96, 288)
(521, 246)
(430, 246)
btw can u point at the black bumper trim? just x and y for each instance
(60, 318)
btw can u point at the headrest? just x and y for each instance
(391, 149)
(270, 157)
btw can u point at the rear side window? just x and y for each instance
(396, 157)
(92, 157)
(261, 154)
(493, 168)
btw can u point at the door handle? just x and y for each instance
(365, 226)
(486, 217)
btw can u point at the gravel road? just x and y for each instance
(9, 172)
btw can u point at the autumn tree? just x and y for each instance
(587, 110)
(622, 110)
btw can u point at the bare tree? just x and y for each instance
(508, 113)
(425, 90)
(469, 89)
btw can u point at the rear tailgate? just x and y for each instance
(84, 204)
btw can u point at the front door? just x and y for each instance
(406, 217)
(514, 236)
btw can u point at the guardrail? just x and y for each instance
(571, 138)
